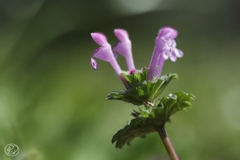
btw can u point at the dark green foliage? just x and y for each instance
(146, 120)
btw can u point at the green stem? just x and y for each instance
(167, 143)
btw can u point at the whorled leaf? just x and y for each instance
(141, 90)
(147, 120)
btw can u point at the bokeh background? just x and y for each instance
(52, 101)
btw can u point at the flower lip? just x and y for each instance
(94, 64)
(99, 38)
(121, 34)
(167, 33)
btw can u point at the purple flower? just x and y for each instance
(165, 47)
(124, 47)
(105, 53)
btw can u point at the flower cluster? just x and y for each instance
(165, 47)
(143, 87)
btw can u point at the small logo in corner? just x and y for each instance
(11, 149)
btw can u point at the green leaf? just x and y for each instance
(146, 120)
(174, 103)
(138, 127)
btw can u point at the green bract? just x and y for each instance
(142, 91)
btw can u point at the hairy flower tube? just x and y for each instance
(165, 47)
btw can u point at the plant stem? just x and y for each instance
(167, 143)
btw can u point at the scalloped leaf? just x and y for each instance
(138, 127)
(146, 120)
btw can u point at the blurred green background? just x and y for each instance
(52, 101)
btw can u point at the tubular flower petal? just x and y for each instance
(124, 47)
(165, 47)
(105, 53)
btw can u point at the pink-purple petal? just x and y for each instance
(165, 55)
(179, 53)
(94, 64)
(121, 48)
(172, 57)
(173, 44)
(168, 33)
(115, 54)
(103, 53)
(124, 47)
(159, 65)
(121, 34)
(156, 58)
(99, 38)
